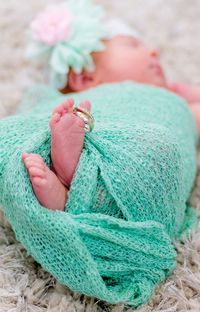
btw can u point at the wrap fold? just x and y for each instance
(128, 198)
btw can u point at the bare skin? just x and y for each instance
(67, 138)
(48, 189)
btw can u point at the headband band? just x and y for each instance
(118, 27)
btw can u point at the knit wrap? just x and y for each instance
(128, 200)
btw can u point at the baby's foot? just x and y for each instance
(67, 138)
(50, 192)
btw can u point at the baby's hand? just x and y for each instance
(190, 93)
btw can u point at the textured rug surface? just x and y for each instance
(172, 26)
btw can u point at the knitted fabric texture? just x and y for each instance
(128, 198)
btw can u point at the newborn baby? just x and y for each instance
(139, 64)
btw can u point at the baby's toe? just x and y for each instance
(33, 160)
(36, 167)
(24, 155)
(86, 105)
(30, 164)
(68, 105)
(58, 110)
(36, 157)
(36, 172)
(32, 156)
(64, 107)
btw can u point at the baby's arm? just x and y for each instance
(195, 109)
(191, 93)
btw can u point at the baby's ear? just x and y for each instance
(82, 81)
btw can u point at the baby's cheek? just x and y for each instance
(114, 73)
(126, 71)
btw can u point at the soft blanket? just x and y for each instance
(128, 198)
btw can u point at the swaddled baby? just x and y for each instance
(124, 57)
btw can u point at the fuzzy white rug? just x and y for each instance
(172, 26)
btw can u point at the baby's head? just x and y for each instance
(124, 58)
(69, 39)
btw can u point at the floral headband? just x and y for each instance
(64, 35)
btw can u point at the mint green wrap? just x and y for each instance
(128, 198)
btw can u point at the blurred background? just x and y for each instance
(172, 26)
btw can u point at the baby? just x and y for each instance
(139, 64)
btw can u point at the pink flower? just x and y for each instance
(53, 25)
